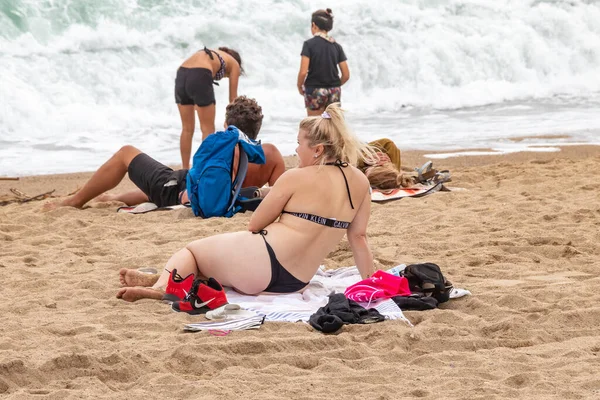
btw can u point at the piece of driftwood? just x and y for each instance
(73, 192)
(20, 197)
(9, 178)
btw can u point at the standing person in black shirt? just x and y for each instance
(318, 79)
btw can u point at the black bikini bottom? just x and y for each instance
(281, 280)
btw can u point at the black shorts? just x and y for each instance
(194, 86)
(160, 183)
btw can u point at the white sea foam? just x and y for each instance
(82, 78)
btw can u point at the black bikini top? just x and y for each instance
(221, 72)
(331, 222)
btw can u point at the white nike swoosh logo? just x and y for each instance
(196, 305)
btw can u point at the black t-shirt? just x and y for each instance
(324, 59)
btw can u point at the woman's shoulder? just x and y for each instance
(291, 176)
(361, 178)
(311, 173)
(299, 175)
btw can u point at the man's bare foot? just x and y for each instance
(132, 294)
(132, 277)
(68, 202)
(53, 205)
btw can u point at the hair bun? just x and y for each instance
(329, 12)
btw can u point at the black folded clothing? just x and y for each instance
(339, 311)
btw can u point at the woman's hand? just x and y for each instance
(304, 62)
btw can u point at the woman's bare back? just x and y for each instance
(201, 59)
(320, 191)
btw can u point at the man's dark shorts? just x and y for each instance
(160, 183)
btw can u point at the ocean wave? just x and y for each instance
(74, 68)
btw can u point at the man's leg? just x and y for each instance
(130, 198)
(107, 177)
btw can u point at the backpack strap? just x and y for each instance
(239, 179)
(246, 199)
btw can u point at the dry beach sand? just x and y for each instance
(523, 238)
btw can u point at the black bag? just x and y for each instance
(427, 278)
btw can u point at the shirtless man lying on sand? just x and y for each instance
(164, 186)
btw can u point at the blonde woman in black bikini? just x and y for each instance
(302, 219)
(194, 90)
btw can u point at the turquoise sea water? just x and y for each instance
(79, 79)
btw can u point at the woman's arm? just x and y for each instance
(357, 237)
(345, 71)
(271, 206)
(234, 77)
(304, 62)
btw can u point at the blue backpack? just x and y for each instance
(209, 183)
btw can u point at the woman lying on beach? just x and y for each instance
(306, 214)
(194, 90)
(385, 172)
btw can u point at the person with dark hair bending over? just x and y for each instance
(194, 90)
(318, 79)
(302, 219)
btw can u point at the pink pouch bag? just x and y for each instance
(380, 285)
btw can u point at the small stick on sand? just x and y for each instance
(9, 178)
(21, 197)
(75, 191)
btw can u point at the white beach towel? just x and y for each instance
(295, 307)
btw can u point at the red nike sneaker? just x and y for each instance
(203, 296)
(178, 287)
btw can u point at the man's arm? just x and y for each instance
(275, 158)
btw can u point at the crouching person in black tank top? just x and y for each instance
(302, 219)
(164, 186)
